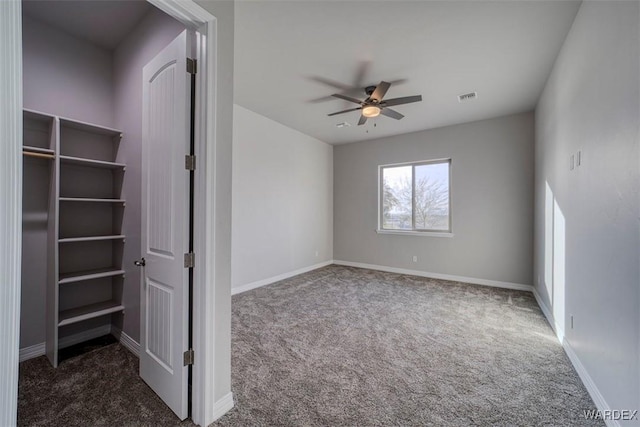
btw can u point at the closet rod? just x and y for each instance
(39, 155)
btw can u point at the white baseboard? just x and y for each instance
(270, 280)
(32, 352)
(473, 280)
(222, 406)
(559, 330)
(127, 342)
(38, 350)
(591, 387)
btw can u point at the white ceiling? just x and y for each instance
(503, 50)
(102, 23)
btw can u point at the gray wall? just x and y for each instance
(150, 36)
(587, 244)
(66, 76)
(492, 201)
(282, 199)
(35, 206)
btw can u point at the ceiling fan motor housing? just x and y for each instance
(369, 90)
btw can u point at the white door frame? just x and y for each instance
(11, 206)
(204, 407)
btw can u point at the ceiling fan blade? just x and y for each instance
(391, 113)
(391, 83)
(330, 82)
(321, 99)
(363, 67)
(403, 100)
(362, 120)
(380, 91)
(354, 91)
(345, 111)
(347, 98)
(397, 82)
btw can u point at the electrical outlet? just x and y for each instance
(415, 258)
(316, 253)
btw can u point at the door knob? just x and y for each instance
(140, 262)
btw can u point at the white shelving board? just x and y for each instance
(91, 162)
(89, 127)
(75, 315)
(81, 276)
(90, 200)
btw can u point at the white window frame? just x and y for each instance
(413, 231)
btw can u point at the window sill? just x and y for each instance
(417, 233)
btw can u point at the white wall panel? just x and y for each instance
(282, 199)
(587, 237)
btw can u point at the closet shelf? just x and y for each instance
(37, 149)
(75, 315)
(91, 238)
(37, 115)
(90, 200)
(89, 127)
(80, 276)
(91, 162)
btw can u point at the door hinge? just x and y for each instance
(189, 260)
(190, 162)
(192, 66)
(188, 357)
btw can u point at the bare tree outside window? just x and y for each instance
(396, 206)
(415, 197)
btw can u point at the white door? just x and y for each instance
(165, 224)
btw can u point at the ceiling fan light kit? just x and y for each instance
(371, 111)
(373, 105)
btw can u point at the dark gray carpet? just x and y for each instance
(99, 388)
(349, 347)
(342, 346)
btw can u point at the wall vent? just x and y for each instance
(467, 96)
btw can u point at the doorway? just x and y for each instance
(205, 25)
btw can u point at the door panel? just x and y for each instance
(159, 314)
(165, 224)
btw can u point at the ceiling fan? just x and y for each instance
(374, 105)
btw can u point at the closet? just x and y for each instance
(84, 221)
(82, 118)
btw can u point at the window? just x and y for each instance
(415, 197)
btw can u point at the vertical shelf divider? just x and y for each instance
(52, 304)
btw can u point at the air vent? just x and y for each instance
(467, 96)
